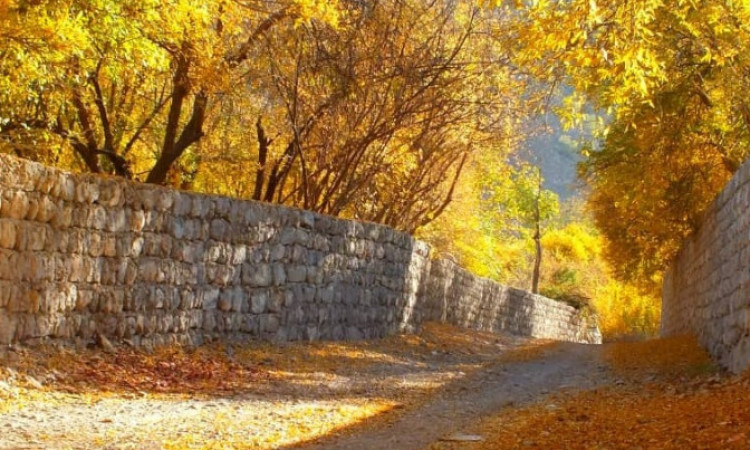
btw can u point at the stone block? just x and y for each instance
(164, 200)
(312, 333)
(730, 336)
(8, 325)
(87, 191)
(277, 252)
(239, 301)
(210, 298)
(7, 233)
(239, 254)
(296, 274)
(224, 304)
(219, 229)
(209, 321)
(276, 301)
(251, 324)
(289, 298)
(738, 359)
(256, 275)
(259, 302)
(281, 336)
(46, 210)
(15, 205)
(279, 274)
(287, 236)
(269, 323)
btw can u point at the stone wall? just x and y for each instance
(706, 291)
(83, 254)
(453, 295)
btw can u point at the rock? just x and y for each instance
(277, 252)
(224, 304)
(279, 275)
(460, 437)
(33, 382)
(104, 343)
(354, 334)
(8, 326)
(259, 302)
(7, 233)
(269, 323)
(296, 274)
(16, 206)
(257, 275)
(276, 303)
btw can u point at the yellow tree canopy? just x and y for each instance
(670, 78)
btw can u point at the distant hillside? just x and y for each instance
(557, 152)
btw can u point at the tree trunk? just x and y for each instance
(260, 174)
(191, 134)
(537, 261)
(537, 240)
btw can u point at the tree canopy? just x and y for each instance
(368, 110)
(668, 80)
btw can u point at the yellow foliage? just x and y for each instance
(624, 311)
(573, 242)
(574, 268)
(324, 10)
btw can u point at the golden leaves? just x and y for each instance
(326, 11)
(669, 397)
(206, 370)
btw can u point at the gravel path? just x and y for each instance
(565, 366)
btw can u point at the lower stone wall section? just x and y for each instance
(453, 295)
(706, 291)
(83, 254)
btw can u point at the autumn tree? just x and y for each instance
(133, 90)
(375, 119)
(527, 208)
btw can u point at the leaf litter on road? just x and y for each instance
(253, 395)
(668, 395)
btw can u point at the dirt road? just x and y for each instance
(564, 366)
(399, 393)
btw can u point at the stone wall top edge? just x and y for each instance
(11, 160)
(451, 265)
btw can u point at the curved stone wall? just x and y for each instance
(84, 254)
